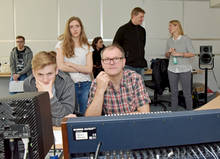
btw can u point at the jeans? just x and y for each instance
(82, 94)
(139, 70)
(21, 78)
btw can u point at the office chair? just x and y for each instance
(159, 81)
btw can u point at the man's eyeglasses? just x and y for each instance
(115, 60)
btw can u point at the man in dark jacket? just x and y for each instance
(132, 38)
(60, 86)
(20, 60)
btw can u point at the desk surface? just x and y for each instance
(213, 104)
(149, 72)
(5, 74)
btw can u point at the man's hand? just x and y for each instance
(41, 87)
(70, 116)
(102, 81)
(15, 77)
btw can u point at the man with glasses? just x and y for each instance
(115, 90)
(20, 60)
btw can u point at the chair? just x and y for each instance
(159, 81)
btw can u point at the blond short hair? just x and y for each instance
(178, 24)
(136, 11)
(42, 59)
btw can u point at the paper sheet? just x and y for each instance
(16, 86)
(58, 137)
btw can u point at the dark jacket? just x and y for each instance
(97, 66)
(160, 74)
(28, 55)
(63, 103)
(132, 39)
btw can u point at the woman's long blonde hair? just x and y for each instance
(68, 45)
(178, 24)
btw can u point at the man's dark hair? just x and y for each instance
(95, 41)
(20, 37)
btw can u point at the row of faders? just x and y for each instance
(180, 152)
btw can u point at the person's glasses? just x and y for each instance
(115, 60)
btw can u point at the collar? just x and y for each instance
(179, 37)
(122, 82)
(130, 22)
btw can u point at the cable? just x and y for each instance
(25, 141)
(213, 151)
(157, 156)
(209, 151)
(215, 79)
(218, 148)
(12, 147)
(178, 152)
(55, 156)
(54, 150)
(194, 153)
(201, 153)
(97, 150)
(170, 154)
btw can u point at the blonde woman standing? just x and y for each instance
(179, 50)
(74, 55)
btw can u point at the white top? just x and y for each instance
(80, 59)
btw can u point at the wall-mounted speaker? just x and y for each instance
(206, 58)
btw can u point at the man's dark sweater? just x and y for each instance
(132, 39)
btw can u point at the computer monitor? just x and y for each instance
(26, 115)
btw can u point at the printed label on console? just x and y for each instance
(84, 133)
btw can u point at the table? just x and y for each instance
(194, 72)
(149, 71)
(5, 74)
(213, 104)
(59, 147)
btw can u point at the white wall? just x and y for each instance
(42, 21)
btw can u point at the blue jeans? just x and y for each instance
(82, 94)
(21, 78)
(139, 70)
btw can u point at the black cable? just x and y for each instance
(12, 147)
(78, 114)
(97, 150)
(54, 146)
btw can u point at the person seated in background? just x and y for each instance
(20, 61)
(98, 46)
(115, 90)
(60, 86)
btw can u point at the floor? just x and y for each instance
(155, 108)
